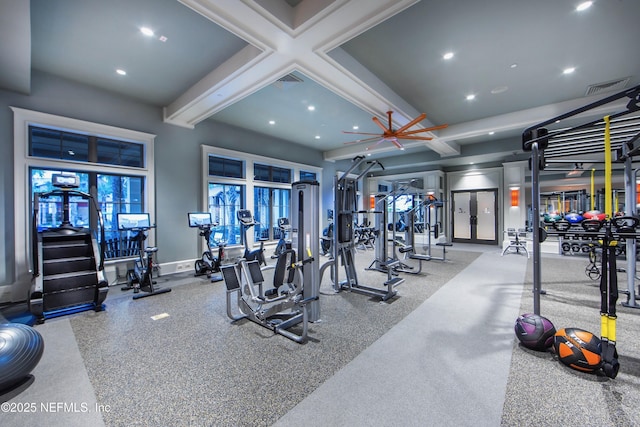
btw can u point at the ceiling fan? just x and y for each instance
(394, 135)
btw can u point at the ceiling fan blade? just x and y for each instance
(374, 145)
(379, 123)
(397, 144)
(437, 127)
(418, 119)
(412, 132)
(414, 137)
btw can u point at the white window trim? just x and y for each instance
(248, 182)
(22, 162)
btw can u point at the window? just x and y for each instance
(114, 163)
(224, 202)
(221, 166)
(270, 204)
(271, 173)
(50, 209)
(120, 153)
(233, 180)
(307, 176)
(116, 194)
(56, 144)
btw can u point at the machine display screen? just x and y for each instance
(65, 180)
(128, 221)
(245, 216)
(196, 219)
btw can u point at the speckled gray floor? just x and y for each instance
(543, 392)
(196, 368)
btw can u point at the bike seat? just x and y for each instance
(151, 249)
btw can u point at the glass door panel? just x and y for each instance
(461, 214)
(486, 223)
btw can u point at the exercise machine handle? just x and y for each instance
(301, 263)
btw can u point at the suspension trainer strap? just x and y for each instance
(609, 279)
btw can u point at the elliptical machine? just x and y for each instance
(247, 221)
(208, 264)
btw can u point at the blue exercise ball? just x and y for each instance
(21, 348)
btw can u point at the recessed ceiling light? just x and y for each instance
(272, 122)
(584, 6)
(491, 133)
(447, 55)
(317, 136)
(146, 31)
(514, 65)
(311, 108)
(356, 127)
(471, 97)
(568, 70)
(163, 38)
(121, 72)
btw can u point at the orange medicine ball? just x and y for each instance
(578, 349)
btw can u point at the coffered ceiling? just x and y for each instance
(262, 65)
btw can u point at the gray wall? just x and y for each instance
(177, 157)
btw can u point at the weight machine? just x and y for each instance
(345, 204)
(382, 261)
(429, 204)
(541, 142)
(294, 297)
(279, 308)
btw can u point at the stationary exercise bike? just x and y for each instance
(247, 221)
(208, 264)
(283, 243)
(140, 277)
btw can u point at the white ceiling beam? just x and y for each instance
(520, 120)
(279, 44)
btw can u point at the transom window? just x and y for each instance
(271, 173)
(57, 144)
(222, 166)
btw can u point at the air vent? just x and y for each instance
(287, 80)
(617, 84)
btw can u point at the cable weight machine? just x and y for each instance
(540, 141)
(345, 207)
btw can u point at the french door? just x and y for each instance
(474, 216)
